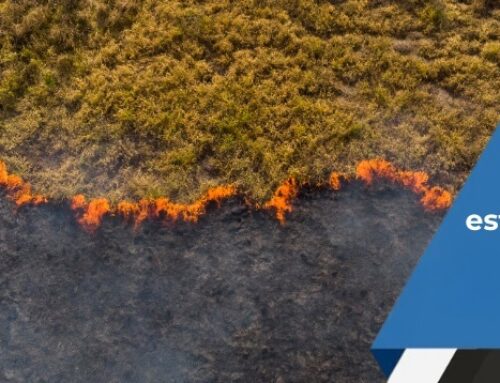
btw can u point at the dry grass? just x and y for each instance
(147, 98)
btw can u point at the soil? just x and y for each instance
(236, 297)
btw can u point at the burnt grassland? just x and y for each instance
(130, 99)
(236, 297)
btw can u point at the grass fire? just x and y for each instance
(236, 297)
(227, 190)
(90, 213)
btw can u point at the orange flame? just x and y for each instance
(90, 214)
(93, 213)
(127, 209)
(436, 199)
(433, 198)
(282, 199)
(336, 180)
(78, 202)
(369, 169)
(18, 190)
(144, 211)
(415, 181)
(164, 208)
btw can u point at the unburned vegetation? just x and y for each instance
(132, 99)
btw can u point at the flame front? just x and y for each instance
(127, 210)
(282, 199)
(18, 190)
(78, 202)
(432, 198)
(90, 214)
(336, 179)
(164, 208)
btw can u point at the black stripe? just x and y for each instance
(490, 369)
(464, 366)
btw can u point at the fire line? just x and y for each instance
(90, 213)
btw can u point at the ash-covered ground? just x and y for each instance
(234, 298)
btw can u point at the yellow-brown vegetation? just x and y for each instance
(141, 99)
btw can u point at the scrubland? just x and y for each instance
(132, 99)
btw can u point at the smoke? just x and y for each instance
(90, 214)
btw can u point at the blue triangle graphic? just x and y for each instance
(452, 299)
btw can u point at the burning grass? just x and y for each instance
(19, 191)
(90, 214)
(281, 202)
(433, 198)
(255, 299)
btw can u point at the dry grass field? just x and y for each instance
(131, 99)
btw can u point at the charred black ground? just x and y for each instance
(234, 298)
